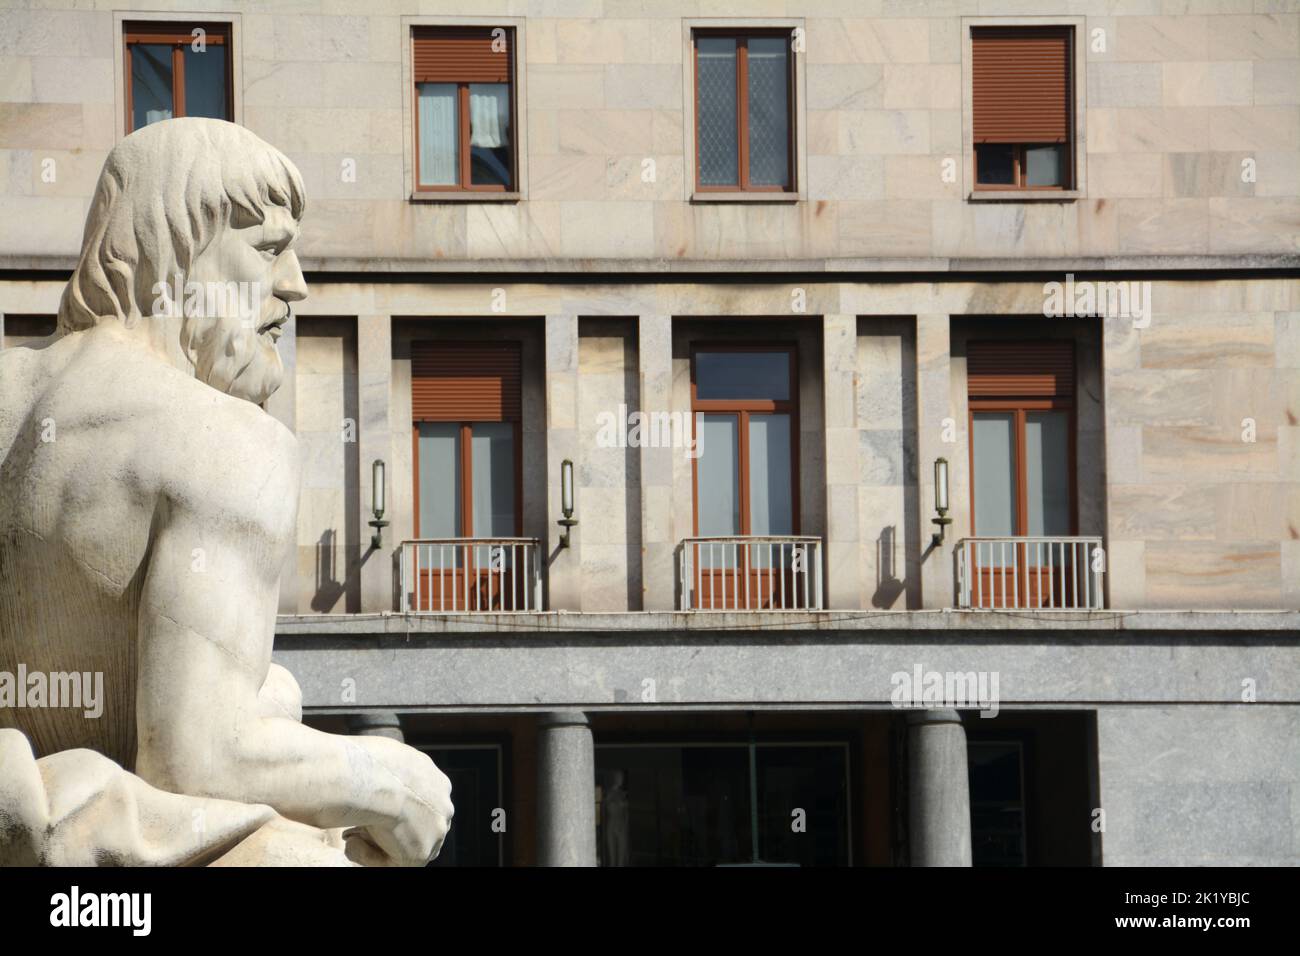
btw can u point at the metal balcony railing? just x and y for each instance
(1022, 573)
(751, 573)
(470, 575)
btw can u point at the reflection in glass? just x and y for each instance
(995, 473)
(493, 469)
(1047, 462)
(205, 81)
(722, 804)
(771, 499)
(1043, 165)
(151, 83)
(476, 781)
(489, 134)
(439, 447)
(997, 808)
(719, 485)
(995, 164)
(742, 375)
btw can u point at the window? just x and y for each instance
(746, 476)
(1022, 107)
(997, 802)
(722, 804)
(465, 400)
(744, 111)
(464, 109)
(176, 69)
(475, 773)
(1022, 465)
(466, 405)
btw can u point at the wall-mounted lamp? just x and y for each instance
(566, 501)
(940, 500)
(377, 503)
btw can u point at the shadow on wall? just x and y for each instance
(328, 586)
(888, 584)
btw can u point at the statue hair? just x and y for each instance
(164, 193)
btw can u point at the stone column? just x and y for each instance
(935, 415)
(283, 406)
(377, 723)
(938, 789)
(566, 790)
(839, 381)
(564, 574)
(658, 563)
(375, 440)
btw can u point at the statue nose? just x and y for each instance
(289, 282)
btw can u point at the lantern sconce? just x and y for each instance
(940, 500)
(377, 503)
(566, 501)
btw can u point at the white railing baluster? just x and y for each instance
(1055, 572)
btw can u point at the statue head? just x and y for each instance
(188, 242)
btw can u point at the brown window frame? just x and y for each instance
(177, 34)
(742, 38)
(463, 154)
(465, 465)
(742, 408)
(1069, 176)
(1020, 407)
(1018, 161)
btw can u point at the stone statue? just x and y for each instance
(147, 504)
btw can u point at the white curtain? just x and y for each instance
(489, 115)
(438, 146)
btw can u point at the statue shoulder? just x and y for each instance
(221, 454)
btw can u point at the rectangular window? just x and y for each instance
(466, 440)
(746, 475)
(723, 804)
(1022, 463)
(1023, 114)
(176, 69)
(465, 400)
(744, 111)
(464, 108)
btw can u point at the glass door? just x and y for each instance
(745, 476)
(1022, 486)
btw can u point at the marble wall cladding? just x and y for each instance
(608, 478)
(1201, 412)
(1190, 141)
(885, 484)
(329, 513)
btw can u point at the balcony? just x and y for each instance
(1027, 573)
(750, 573)
(470, 575)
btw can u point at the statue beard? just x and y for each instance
(232, 358)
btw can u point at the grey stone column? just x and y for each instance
(938, 789)
(377, 723)
(566, 790)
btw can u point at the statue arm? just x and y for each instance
(210, 723)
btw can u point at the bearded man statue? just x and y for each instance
(147, 504)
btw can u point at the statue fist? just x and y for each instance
(420, 794)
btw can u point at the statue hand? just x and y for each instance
(422, 793)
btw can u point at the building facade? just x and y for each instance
(645, 344)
